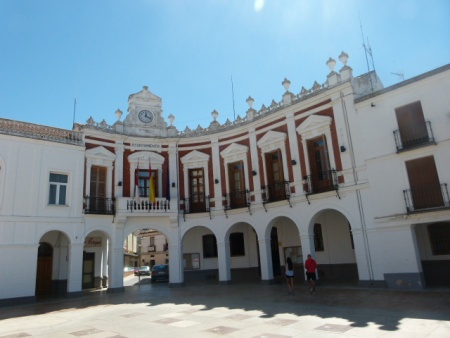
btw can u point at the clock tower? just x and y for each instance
(145, 115)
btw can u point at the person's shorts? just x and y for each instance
(289, 276)
(310, 276)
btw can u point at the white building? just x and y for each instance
(348, 170)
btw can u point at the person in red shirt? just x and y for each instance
(310, 266)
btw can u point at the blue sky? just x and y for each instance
(187, 51)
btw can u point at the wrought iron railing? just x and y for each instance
(321, 182)
(196, 203)
(419, 135)
(99, 205)
(431, 196)
(277, 191)
(237, 199)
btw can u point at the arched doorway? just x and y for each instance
(52, 264)
(44, 270)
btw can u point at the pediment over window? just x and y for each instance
(314, 125)
(100, 156)
(272, 140)
(145, 156)
(234, 150)
(195, 157)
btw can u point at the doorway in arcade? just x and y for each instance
(144, 247)
(95, 261)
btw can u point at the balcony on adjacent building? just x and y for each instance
(321, 182)
(99, 205)
(237, 199)
(413, 137)
(427, 197)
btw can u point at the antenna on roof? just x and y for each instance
(74, 111)
(232, 93)
(401, 75)
(368, 53)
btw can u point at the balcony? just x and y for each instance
(321, 182)
(196, 203)
(428, 197)
(277, 191)
(142, 204)
(237, 199)
(417, 136)
(99, 205)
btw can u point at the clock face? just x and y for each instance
(145, 116)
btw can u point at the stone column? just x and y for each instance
(74, 278)
(265, 255)
(118, 174)
(295, 156)
(255, 166)
(216, 173)
(116, 269)
(173, 174)
(223, 253)
(87, 182)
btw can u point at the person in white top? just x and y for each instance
(290, 275)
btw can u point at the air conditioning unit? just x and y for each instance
(151, 249)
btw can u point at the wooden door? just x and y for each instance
(424, 183)
(197, 190)
(44, 270)
(97, 199)
(275, 176)
(237, 187)
(321, 176)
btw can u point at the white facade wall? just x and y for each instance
(26, 218)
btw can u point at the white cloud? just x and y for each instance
(259, 5)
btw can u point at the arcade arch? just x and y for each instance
(332, 244)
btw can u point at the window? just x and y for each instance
(237, 247)
(209, 246)
(144, 182)
(318, 239)
(439, 234)
(321, 176)
(58, 189)
(411, 124)
(424, 182)
(275, 177)
(237, 188)
(152, 241)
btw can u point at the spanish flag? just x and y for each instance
(151, 194)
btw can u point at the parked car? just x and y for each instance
(136, 270)
(144, 270)
(160, 273)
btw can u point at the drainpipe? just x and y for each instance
(358, 192)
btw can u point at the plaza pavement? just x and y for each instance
(236, 310)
